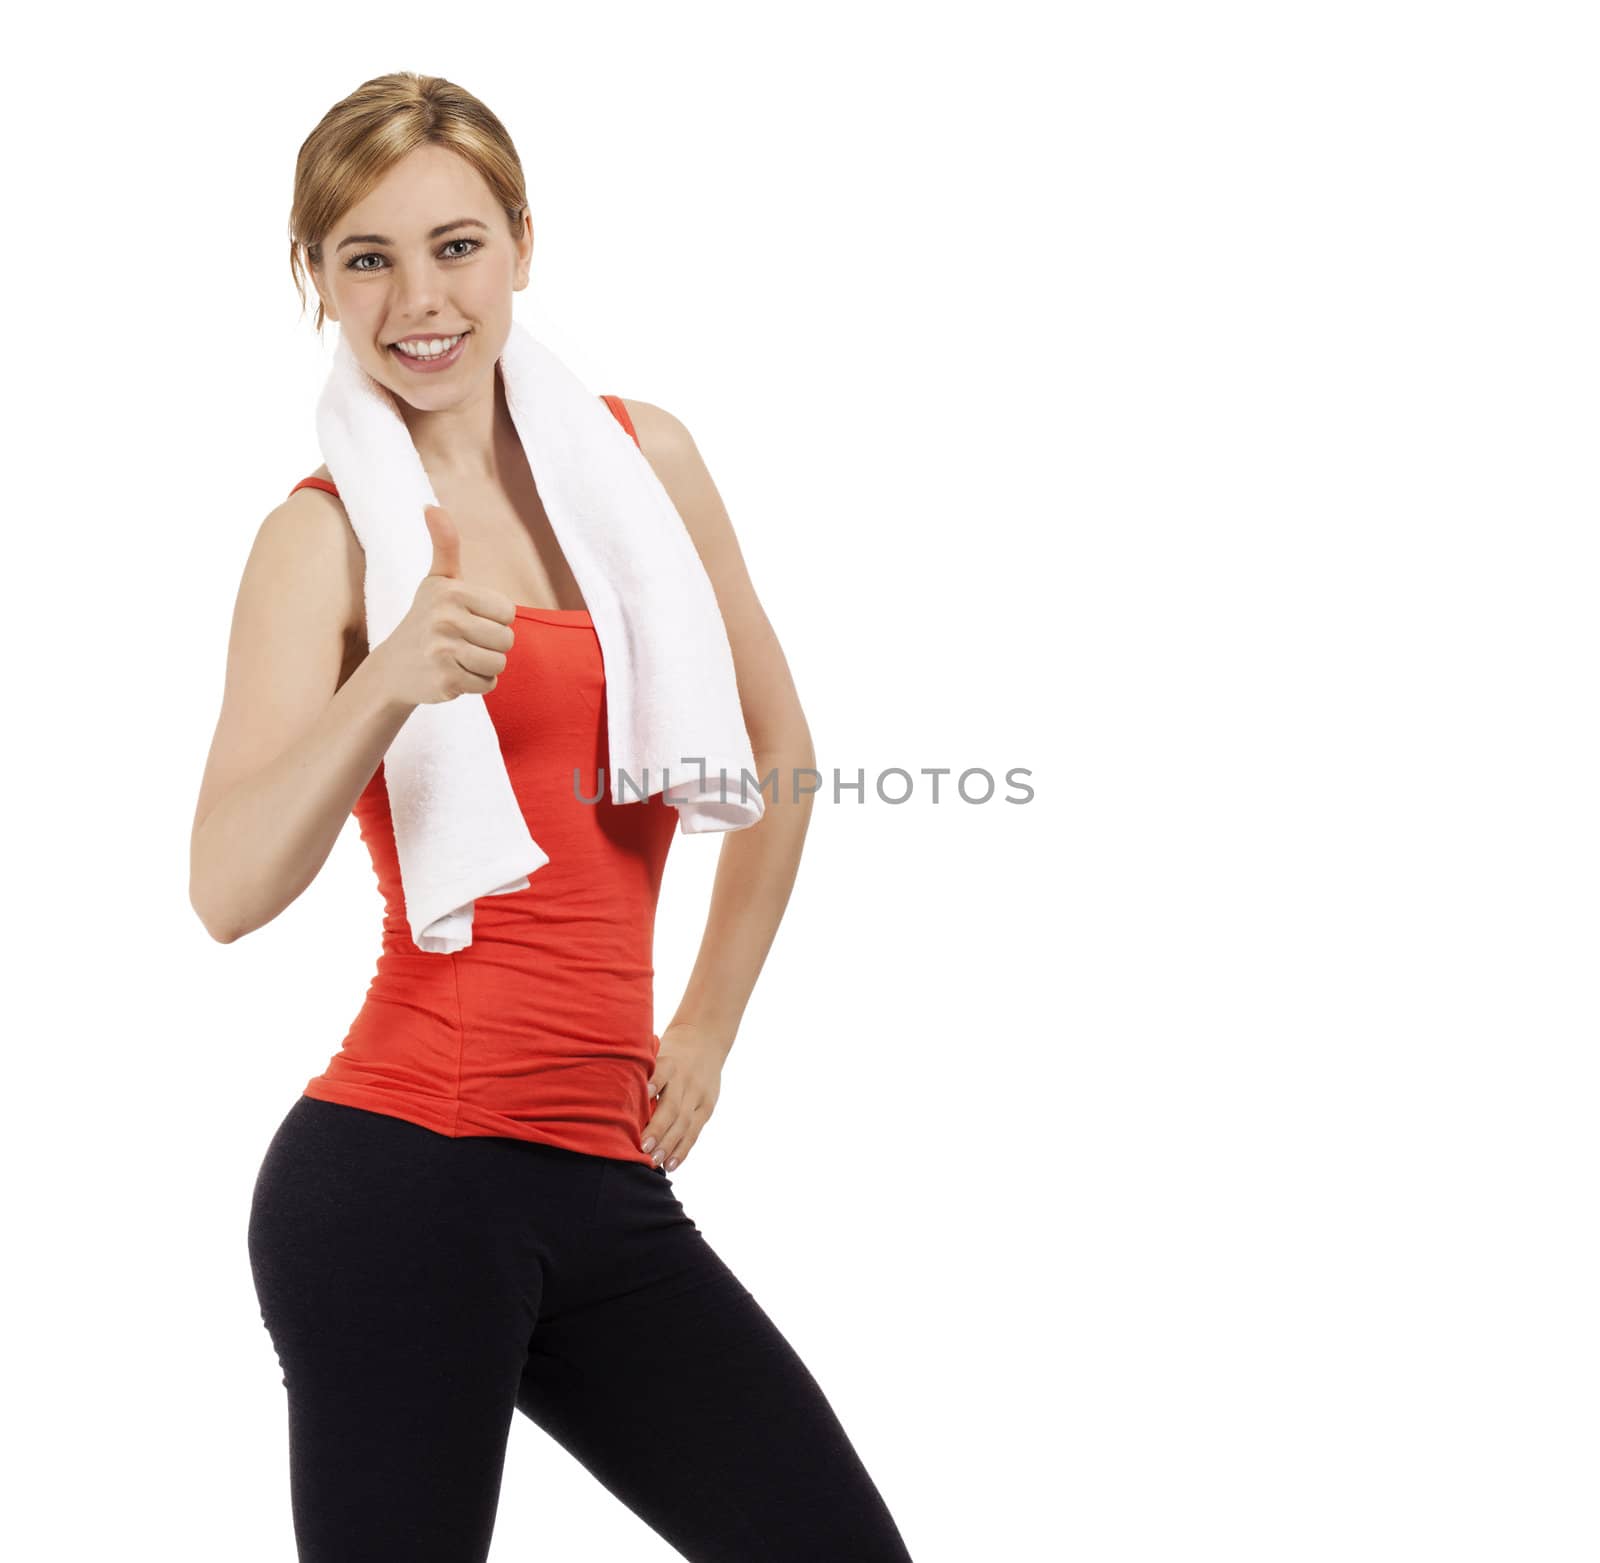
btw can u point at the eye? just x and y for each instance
(354, 263)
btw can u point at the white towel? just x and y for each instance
(671, 694)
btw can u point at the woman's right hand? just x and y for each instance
(454, 639)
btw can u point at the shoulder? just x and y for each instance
(669, 447)
(315, 501)
(662, 436)
(309, 536)
(315, 514)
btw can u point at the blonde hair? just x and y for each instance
(363, 136)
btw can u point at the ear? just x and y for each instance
(524, 253)
(328, 310)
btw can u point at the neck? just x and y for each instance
(468, 442)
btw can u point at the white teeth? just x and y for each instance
(425, 349)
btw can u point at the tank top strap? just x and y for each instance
(613, 402)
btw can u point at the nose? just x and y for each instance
(421, 297)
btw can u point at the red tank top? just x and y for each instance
(541, 1029)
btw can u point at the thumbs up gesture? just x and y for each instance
(454, 639)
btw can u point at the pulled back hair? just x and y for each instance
(364, 135)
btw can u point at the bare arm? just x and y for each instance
(757, 866)
(300, 734)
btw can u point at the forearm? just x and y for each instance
(755, 875)
(267, 837)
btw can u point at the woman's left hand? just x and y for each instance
(686, 1084)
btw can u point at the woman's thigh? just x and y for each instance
(671, 1384)
(401, 1332)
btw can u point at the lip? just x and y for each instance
(432, 365)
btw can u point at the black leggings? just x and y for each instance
(417, 1289)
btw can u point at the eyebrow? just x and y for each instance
(433, 233)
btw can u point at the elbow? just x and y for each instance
(215, 904)
(219, 923)
(786, 765)
(223, 932)
(225, 935)
(787, 744)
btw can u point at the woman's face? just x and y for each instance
(426, 254)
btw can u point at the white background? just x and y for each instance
(1193, 405)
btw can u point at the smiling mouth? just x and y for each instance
(422, 355)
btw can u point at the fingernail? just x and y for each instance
(671, 1164)
(649, 1143)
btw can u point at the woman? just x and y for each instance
(470, 1211)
